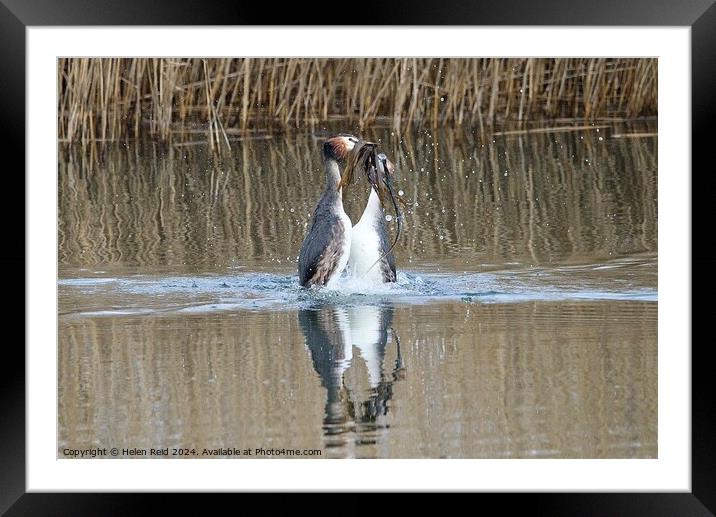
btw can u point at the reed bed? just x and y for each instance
(174, 100)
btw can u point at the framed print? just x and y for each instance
(436, 248)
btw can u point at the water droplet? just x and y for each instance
(292, 210)
(388, 217)
(401, 193)
(441, 237)
(601, 138)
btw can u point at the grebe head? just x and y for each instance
(337, 147)
(381, 173)
(388, 166)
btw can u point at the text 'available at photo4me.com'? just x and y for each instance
(168, 452)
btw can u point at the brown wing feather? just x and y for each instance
(322, 248)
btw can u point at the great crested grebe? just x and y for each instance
(326, 247)
(371, 258)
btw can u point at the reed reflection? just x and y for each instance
(542, 198)
(348, 349)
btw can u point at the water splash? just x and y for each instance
(141, 294)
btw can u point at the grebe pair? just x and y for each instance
(332, 242)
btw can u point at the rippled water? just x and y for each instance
(523, 322)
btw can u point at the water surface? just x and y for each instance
(523, 323)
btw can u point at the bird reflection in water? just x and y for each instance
(348, 348)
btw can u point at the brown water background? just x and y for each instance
(524, 322)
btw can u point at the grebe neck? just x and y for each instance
(333, 176)
(373, 209)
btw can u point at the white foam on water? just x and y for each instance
(134, 295)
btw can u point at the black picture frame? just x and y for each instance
(700, 15)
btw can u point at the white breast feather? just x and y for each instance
(366, 244)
